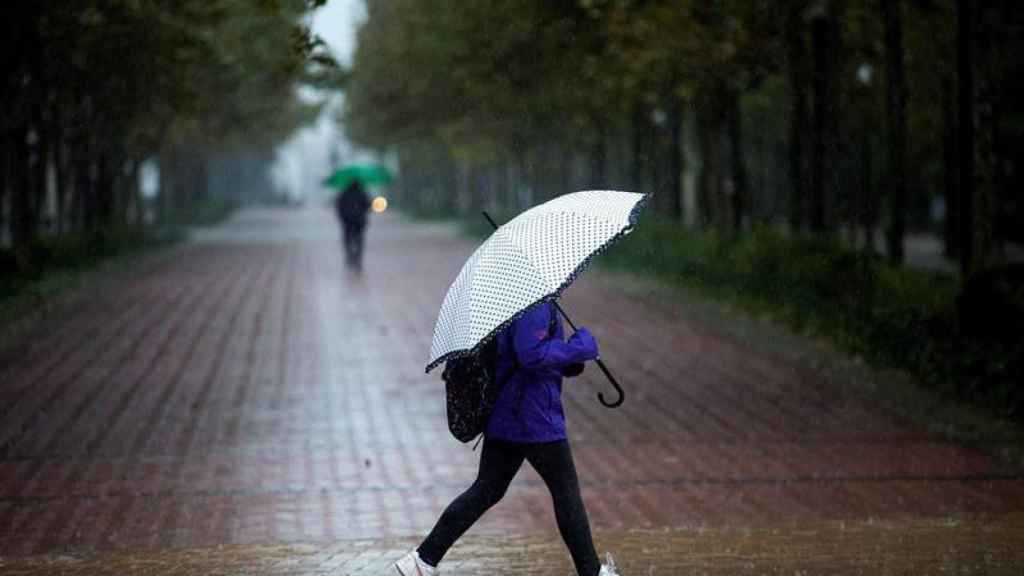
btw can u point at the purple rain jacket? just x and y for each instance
(529, 407)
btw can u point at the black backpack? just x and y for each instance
(472, 387)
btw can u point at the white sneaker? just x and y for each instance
(412, 565)
(609, 568)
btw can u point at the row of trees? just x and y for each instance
(824, 116)
(93, 88)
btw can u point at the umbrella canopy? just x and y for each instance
(533, 257)
(365, 173)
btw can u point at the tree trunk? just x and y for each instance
(987, 85)
(181, 179)
(869, 194)
(5, 151)
(200, 182)
(599, 157)
(798, 115)
(654, 165)
(521, 178)
(639, 152)
(122, 191)
(676, 158)
(463, 202)
(40, 164)
(823, 107)
(60, 154)
(759, 206)
(739, 171)
(104, 193)
(896, 106)
(529, 178)
(507, 170)
(165, 186)
(77, 210)
(135, 195)
(709, 180)
(966, 26)
(565, 165)
(21, 192)
(950, 182)
(491, 182)
(442, 200)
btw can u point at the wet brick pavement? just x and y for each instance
(913, 547)
(249, 393)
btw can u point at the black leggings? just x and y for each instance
(499, 463)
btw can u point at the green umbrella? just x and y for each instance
(365, 173)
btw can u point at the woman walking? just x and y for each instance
(527, 423)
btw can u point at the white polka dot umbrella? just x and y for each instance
(532, 258)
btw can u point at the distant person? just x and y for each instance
(352, 206)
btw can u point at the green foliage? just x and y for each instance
(494, 83)
(480, 100)
(93, 88)
(481, 84)
(203, 213)
(894, 317)
(142, 71)
(543, 71)
(53, 263)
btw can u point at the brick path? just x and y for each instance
(912, 547)
(249, 392)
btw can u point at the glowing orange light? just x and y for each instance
(380, 204)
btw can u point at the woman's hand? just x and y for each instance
(537, 349)
(584, 341)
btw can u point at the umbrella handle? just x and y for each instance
(600, 396)
(600, 363)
